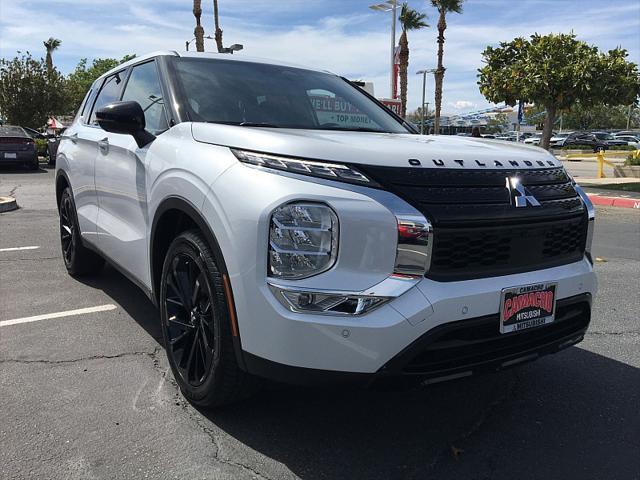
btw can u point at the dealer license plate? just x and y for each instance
(527, 306)
(10, 155)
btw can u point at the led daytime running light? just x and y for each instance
(331, 171)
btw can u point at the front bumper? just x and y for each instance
(386, 341)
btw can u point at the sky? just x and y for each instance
(342, 36)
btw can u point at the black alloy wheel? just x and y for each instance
(78, 259)
(197, 324)
(68, 235)
(191, 332)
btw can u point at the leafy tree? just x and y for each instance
(30, 92)
(410, 19)
(555, 72)
(218, 31)
(443, 7)
(198, 32)
(51, 45)
(582, 117)
(80, 80)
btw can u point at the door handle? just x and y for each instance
(103, 145)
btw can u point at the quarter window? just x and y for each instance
(109, 92)
(143, 87)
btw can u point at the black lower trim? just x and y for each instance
(451, 350)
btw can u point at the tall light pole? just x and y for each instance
(390, 6)
(424, 90)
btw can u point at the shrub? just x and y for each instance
(41, 145)
(633, 159)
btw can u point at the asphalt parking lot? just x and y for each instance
(91, 395)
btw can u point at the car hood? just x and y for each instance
(380, 149)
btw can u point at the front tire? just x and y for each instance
(196, 325)
(78, 259)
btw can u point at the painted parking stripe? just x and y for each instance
(68, 313)
(16, 249)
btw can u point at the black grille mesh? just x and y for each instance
(478, 232)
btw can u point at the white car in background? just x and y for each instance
(289, 226)
(630, 139)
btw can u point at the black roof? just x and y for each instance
(12, 131)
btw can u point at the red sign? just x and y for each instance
(392, 104)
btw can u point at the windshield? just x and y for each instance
(262, 95)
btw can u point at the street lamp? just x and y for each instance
(390, 6)
(424, 89)
(186, 44)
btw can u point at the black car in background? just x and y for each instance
(586, 139)
(609, 139)
(17, 147)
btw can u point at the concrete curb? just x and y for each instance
(615, 201)
(7, 204)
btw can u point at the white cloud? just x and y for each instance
(462, 105)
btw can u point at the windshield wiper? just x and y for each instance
(245, 124)
(356, 129)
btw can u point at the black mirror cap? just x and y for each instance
(126, 118)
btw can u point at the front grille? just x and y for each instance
(476, 343)
(478, 232)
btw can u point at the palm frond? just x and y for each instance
(447, 6)
(411, 19)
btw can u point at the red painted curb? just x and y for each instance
(615, 201)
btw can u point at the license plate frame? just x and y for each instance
(527, 306)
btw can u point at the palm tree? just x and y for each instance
(218, 34)
(198, 32)
(51, 45)
(410, 20)
(444, 7)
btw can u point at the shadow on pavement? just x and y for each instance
(129, 297)
(574, 415)
(570, 415)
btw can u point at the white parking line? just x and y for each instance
(68, 313)
(15, 249)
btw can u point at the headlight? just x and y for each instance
(303, 240)
(331, 171)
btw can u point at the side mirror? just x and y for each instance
(126, 118)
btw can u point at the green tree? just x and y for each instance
(30, 92)
(410, 19)
(51, 45)
(218, 31)
(592, 117)
(198, 32)
(79, 81)
(443, 7)
(555, 72)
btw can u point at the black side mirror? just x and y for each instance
(126, 118)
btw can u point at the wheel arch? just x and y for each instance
(173, 216)
(62, 182)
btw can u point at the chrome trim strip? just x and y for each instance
(415, 244)
(591, 212)
(390, 288)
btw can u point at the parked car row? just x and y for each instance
(595, 140)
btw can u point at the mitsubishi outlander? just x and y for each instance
(289, 226)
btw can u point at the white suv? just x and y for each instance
(289, 226)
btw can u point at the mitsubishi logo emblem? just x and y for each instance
(520, 196)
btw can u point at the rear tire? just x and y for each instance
(196, 325)
(78, 259)
(35, 164)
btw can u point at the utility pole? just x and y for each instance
(390, 6)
